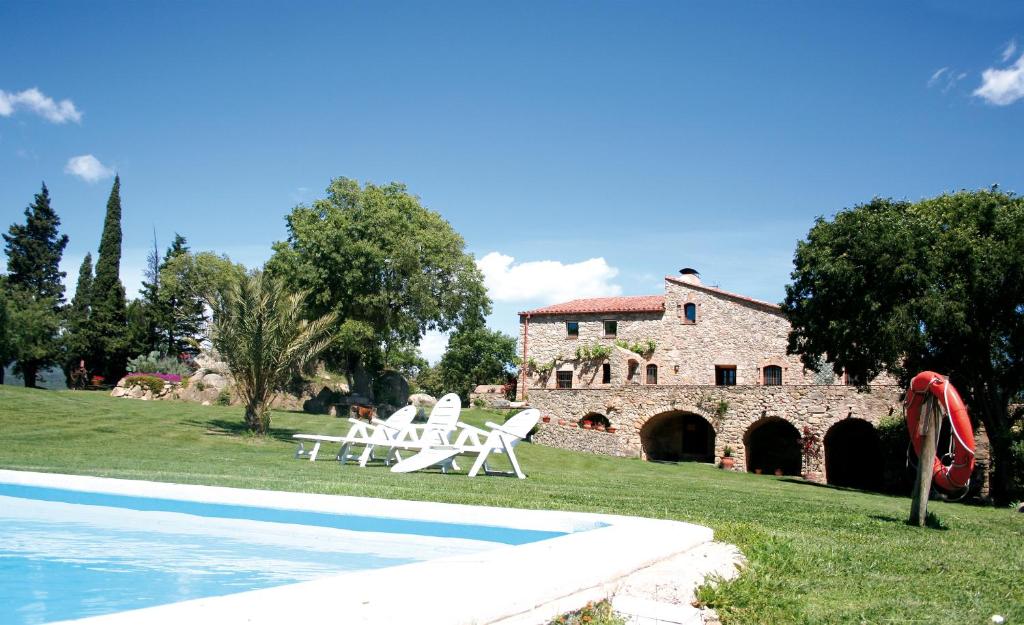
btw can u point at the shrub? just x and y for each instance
(479, 403)
(224, 397)
(166, 377)
(156, 362)
(600, 613)
(148, 382)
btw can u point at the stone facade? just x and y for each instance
(713, 375)
(633, 410)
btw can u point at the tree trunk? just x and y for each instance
(992, 409)
(29, 370)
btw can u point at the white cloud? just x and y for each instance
(1008, 51)
(433, 345)
(1002, 86)
(546, 280)
(88, 168)
(937, 75)
(39, 103)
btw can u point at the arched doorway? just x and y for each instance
(853, 455)
(773, 444)
(678, 436)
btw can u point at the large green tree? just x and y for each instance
(108, 300)
(34, 250)
(389, 268)
(935, 285)
(33, 289)
(6, 339)
(476, 355)
(258, 328)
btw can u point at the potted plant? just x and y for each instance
(611, 429)
(600, 427)
(587, 425)
(728, 462)
(778, 471)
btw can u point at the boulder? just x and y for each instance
(215, 380)
(422, 400)
(324, 401)
(1020, 508)
(136, 392)
(118, 391)
(391, 388)
(148, 395)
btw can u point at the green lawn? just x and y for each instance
(817, 554)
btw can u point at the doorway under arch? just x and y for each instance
(853, 455)
(678, 436)
(773, 445)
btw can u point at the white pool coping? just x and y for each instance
(507, 584)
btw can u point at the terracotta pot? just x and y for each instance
(611, 430)
(561, 422)
(600, 428)
(587, 425)
(757, 471)
(778, 471)
(546, 419)
(728, 462)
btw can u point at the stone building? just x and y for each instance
(683, 375)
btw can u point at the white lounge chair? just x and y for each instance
(441, 424)
(473, 440)
(361, 433)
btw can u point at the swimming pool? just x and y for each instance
(123, 551)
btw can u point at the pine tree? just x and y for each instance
(33, 290)
(34, 251)
(181, 307)
(80, 340)
(108, 303)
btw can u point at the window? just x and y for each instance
(572, 329)
(690, 313)
(611, 328)
(773, 375)
(852, 379)
(652, 374)
(631, 371)
(606, 373)
(564, 379)
(725, 375)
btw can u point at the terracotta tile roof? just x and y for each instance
(736, 296)
(630, 303)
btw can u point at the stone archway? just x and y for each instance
(678, 435)
(853, 455)
(773, 444)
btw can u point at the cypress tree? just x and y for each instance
(108, 302)
(34, 251)
(80, 339)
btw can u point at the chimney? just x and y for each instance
(690, 275)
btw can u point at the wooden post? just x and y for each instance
(928, 428)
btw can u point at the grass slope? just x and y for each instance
(817, 554)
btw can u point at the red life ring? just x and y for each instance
(957, 475)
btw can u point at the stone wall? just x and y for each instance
(629, 408)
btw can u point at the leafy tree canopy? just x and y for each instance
(476, 355)
(935, 285)
(389, 268)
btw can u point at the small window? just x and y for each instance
(852, 379)
(725, 376)
(611, 328)
(564, 379)
(606, 373)
(690, 313)
(631, 371)
(773, 375)
(652, 374)
(572, 329)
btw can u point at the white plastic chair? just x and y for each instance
(361, 433)
(441, 423)
(473, 440)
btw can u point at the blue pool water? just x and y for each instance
(69, 554)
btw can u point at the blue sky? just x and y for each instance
(616, 141)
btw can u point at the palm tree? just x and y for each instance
(259, 331)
